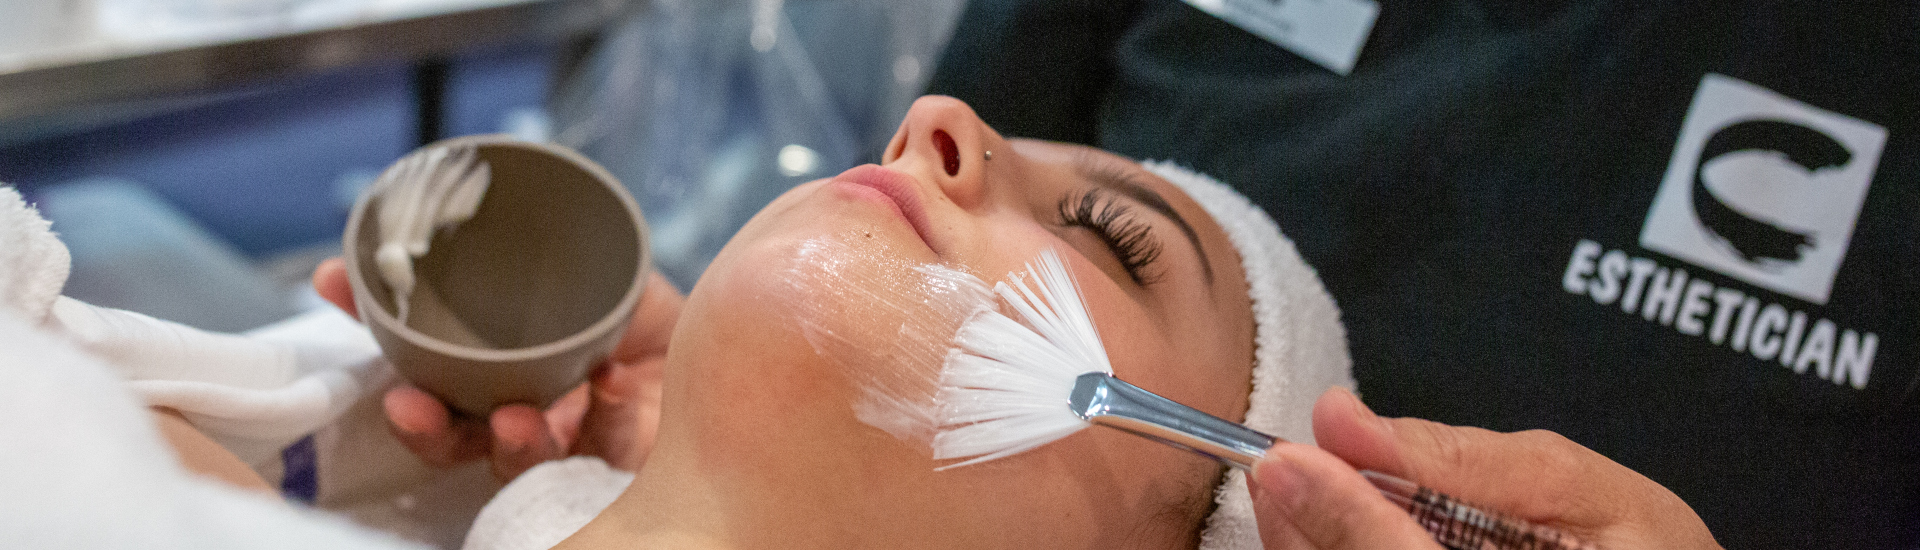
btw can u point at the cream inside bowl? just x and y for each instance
(518, 303)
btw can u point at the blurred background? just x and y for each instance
(199, 157)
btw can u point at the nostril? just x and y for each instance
(949, 151)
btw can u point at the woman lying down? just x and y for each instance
(754, 414)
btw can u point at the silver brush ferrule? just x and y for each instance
(1101, 399)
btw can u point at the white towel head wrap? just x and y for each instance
(1299, 346)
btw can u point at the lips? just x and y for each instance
(900, 188)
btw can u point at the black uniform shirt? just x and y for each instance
(1682, 233)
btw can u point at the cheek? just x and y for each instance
(1211, 354)
(1000, 243)
(827, 347)
(881, 321)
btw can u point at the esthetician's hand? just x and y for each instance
(1314, 497)
(612, 416)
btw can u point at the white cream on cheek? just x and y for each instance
(885, 321)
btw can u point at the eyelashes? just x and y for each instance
(1116, 224)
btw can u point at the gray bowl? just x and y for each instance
(518, 304)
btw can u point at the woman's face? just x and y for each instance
(774, 352)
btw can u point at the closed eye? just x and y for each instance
(1117, 225)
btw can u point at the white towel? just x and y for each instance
(84, 467)
(547, 504)
(33, 263)
(254, 394)
(297, 400)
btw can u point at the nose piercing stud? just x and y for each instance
(989, 155)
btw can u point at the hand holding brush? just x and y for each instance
(1022, 380)
(1318, 497)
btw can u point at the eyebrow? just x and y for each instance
(1108, 175)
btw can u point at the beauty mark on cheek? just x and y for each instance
(886, 322)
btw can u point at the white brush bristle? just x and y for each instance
(1004, 388)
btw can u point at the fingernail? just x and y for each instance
(1278, 480)
(403, 418)
(408, 425)
(514, 446)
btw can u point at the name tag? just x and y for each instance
(1327, 32)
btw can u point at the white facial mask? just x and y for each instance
(887, 322)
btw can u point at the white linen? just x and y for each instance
(83, 466)
(547, 504)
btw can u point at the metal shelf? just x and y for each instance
(71, 82)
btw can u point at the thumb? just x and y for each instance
(1535, 475)
(1304, 497)
(1508, 471)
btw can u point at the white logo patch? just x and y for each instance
(1328, 32)
(1764, 188)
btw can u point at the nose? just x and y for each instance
(942, 141)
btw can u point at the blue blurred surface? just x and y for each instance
(259, 171)
(264, 171)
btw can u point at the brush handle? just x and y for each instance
(1101, 399)
(1459, 525)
